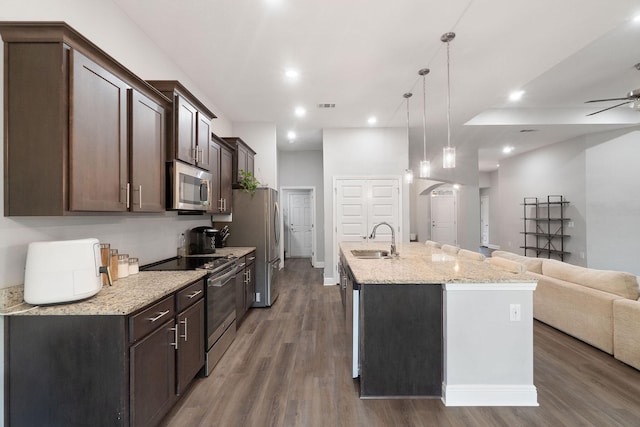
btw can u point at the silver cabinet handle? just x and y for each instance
(185, 329)
(194, 156)
(128, 193)
(161, 314)
(175, 336)
(193, 295)
(140, 196)
(252, 259)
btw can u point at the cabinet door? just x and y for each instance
(250, 289)
(203, 154)
(185, 132)
(190, 344)
(98, 166)
(242, 155)
(251, 164)
(153, 379)
(226, 173)
(147, 148)
(214, 169)
(240, 294)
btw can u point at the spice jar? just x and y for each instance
(123, 265)
(113, 264)
(105, 259)
(133, 266)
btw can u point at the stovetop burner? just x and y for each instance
(211, 264)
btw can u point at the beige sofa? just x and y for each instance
(599, 307)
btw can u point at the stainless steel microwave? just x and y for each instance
(189, 187)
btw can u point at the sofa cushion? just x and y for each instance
(533, 265)
(477, 256)
(626, 333)
(615, 282)
(507, 264)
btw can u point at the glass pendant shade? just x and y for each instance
(408, 176)
(449, 157)
(425, 168)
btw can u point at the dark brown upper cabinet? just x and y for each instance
(243, 158)
(188, 127)
(222, 170)
(82, 133)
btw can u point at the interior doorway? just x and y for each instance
(444, 214)
(299, 222)
(484, 220)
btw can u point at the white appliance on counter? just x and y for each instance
(62, 271)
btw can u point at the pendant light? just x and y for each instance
(449, 152)
(425, 165)
(408, 173)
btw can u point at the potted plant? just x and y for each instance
(248, 182)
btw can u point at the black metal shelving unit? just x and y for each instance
(544, 226)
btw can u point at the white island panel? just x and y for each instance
(488, 357)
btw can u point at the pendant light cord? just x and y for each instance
(448, 97)
(424, 114)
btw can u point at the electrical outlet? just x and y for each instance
(514, 313)
(257, 296)
(571, 224)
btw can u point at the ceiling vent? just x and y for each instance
(326, 105)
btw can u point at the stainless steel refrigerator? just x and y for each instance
(256, 222)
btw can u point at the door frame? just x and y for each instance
(334, 233)
(284, 198)
(484, 200)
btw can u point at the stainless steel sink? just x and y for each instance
(370, 253)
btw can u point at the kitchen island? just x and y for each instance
(429, 324)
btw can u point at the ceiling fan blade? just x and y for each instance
(609, 99)
(608, 108)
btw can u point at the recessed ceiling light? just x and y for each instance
(292, 74)
(300, 111)
(507, 149)
(636, 18)
(456, 186)
(372, 120)
(516, 95)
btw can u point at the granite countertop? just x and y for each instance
(420, 264)
(126, 296)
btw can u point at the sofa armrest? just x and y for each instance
(626, 331)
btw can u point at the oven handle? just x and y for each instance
(219, 282)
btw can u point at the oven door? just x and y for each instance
(221, 304)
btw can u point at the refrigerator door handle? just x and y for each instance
(276, 223)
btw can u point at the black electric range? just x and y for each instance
(212, 264)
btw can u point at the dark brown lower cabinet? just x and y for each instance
(119, 370)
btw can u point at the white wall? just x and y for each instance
(613, 204)
(262, 138)
(150, 237)
(304, 169)
(562, 169)
(360, 152)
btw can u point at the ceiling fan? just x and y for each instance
(633, 96)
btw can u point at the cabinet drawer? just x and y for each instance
(190, 295)
(242, 263)
(151, 318)
(250, 258)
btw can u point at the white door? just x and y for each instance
(484, 220)
(351, 210)
(363, 203)
(443, 217)
(300, 226)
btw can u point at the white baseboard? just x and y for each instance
(496, 247)
(318, 264)
(489, 395)
(330, 281)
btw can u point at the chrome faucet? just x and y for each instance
(393, 236)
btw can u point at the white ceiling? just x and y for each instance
(363, 55)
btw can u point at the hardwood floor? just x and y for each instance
(288, 367)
